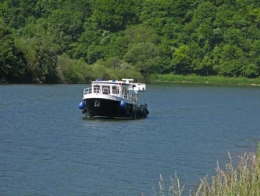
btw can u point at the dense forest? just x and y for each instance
(75, 41)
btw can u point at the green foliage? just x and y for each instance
(5, 49)
(12, 64)
(150, 36)
(115, 15)
(100, 70)
(39, 51)
(117, 46)
(144, 56)
(78, 71)
(74, 71)
(181, 62)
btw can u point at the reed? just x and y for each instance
(175, 188)
(242, 180)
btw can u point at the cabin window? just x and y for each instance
(106, 90)
(115, 89)
(96, 89)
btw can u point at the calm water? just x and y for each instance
(48, 148)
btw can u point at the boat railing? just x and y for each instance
(105, 91)
(87, 91)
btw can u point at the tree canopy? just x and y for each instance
(142, 37)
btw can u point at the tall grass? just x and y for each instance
(242, 180)
(175, 189)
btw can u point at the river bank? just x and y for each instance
(213, 80)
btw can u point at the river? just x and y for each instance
(48, 148)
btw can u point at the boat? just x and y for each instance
(114, 99)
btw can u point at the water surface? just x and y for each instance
(48, 148)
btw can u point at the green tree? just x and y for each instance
(181, 61)
(115, 15)
(141, 34)
(117, 46)
(252, 69)
(234, 36)
(201, 59)
(94, 53)
(144, 57)
(143, 52)
(40, 53)
(184, 37)
(91, 36)
(166, 48)
(74, 71)
(12, 65)
(224, 16)
(230, 63)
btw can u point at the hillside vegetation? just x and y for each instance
(76, 41)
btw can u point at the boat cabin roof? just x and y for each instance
(124, 82)
(110, 82)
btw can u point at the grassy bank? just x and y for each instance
(242, 180)
(219, 80)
